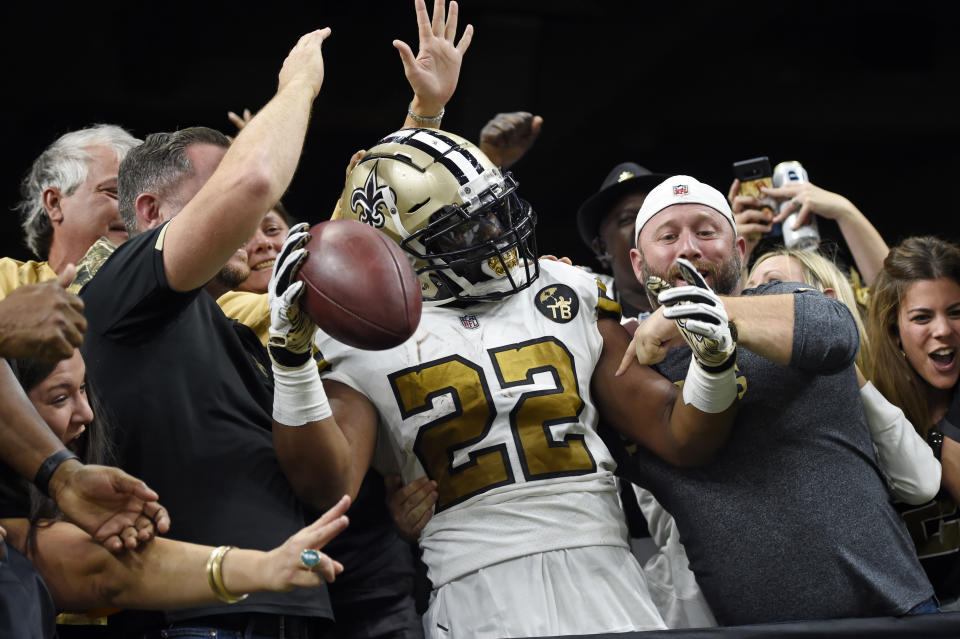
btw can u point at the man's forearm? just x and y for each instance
(827, 340)
(249, 179)
(273, 141)
(764, 324)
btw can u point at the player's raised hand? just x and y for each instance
(433, 73)
(291, 331)
(701, 318)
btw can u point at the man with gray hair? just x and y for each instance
(69, 201)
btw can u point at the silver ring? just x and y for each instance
(795, 201)
(309, 558)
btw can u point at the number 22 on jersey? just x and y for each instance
(474, 414)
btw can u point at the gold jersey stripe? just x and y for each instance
(163, 232)
(607, 307)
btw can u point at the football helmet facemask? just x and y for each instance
(468, 234)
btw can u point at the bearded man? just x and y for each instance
(792, 519)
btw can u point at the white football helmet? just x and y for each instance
(469, 236)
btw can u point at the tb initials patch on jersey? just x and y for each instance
(558, 303)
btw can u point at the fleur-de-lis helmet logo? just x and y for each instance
(373, 202)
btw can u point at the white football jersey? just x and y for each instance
(493, 402)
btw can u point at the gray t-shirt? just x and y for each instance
(793, 520)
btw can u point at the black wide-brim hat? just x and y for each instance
(624, 179)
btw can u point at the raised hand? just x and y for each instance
(354, 159)
(434, 72)
(754, 217)
(304, 63)
(702, 319)
(805, 199)
(508, 136)
(239, 121)
(864, 241)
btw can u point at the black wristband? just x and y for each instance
(288, 359)
(935, 439)
(49, 466)
(730, 361)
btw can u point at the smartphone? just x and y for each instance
(753, 174)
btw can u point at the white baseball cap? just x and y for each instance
(682, 189)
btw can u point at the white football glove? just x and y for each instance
(701, 318)
(291, 330)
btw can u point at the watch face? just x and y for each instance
(935, 439)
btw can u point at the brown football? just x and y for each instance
(359, 286)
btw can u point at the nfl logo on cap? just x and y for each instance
(682, 189)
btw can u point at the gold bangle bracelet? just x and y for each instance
(215, 576)
(210, 581)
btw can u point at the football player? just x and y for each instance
(496, 397)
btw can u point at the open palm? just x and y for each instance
(434, 72)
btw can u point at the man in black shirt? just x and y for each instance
(189, 387)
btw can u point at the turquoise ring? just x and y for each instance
(310, 558)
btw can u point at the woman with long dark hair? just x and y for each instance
(914, 329)
(164, 574)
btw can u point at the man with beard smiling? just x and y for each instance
(792, 520)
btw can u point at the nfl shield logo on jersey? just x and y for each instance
(469, 321)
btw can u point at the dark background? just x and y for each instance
(864, 94)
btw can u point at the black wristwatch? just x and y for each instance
(935, 439)
(49, 466)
